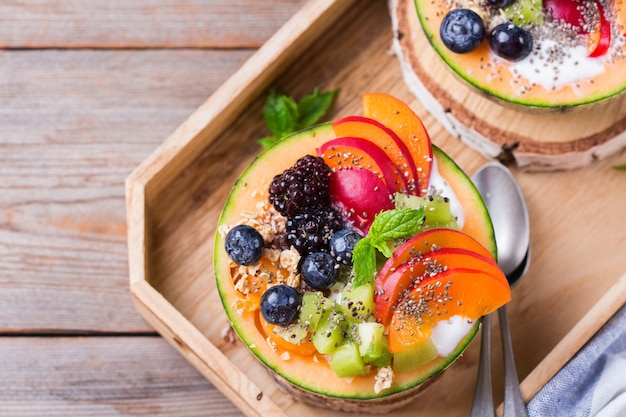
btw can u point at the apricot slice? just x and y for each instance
(460, 291)
(398, 116)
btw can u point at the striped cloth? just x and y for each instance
(593, 382)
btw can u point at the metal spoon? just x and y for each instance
(506, 205)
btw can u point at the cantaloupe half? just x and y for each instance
(493, 76)
(310, 376)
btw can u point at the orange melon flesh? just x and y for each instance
(399, 117)
(496, 79)
(465, 292)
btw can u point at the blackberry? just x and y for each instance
(311, 231)
(301, 187)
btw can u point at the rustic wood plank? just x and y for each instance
(141, 24)
(73, 125)
(103, 376)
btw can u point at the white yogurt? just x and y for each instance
(443, 188)
(574, 66)
(448, 333)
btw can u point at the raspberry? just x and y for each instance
(311, 231)
(301, 187)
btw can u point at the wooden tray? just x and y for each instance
(174, 199)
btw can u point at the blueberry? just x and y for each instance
(511, 41)
(280, 303)
(244, 244)
(342, 244)
(499, 4)
(320, 270)
(462, 30)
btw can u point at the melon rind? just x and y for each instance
(317, 379)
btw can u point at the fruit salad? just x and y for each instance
(355, 259)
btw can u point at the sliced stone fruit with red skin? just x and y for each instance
(386, 139)
(390, 288)
(619, 8)
(399, 117)
(360, 195)
(573, 13)
(600, 37)
(355, 152)
(430, 241)
(465, 292)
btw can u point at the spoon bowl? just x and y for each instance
(506, 205)
(509, 215)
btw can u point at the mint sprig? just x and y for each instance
(284, 115)
(387, 225)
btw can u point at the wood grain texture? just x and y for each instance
(141, 24)
(103, 376)
(73, 125)
(561, 284)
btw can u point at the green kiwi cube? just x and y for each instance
(313, 306)
(330, 330)
(357, 303)
(372, 341)
(437, 212)
(525, 12)
(346, 360)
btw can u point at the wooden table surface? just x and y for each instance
(88, 90)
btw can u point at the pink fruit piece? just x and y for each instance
(568, 11)
(359, 195)
(385, 138)
(354, 152)
(579, 15)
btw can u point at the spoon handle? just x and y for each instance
(483, 397)
(513, 404)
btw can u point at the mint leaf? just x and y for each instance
(382, 246)
(387, 225)
(283, 115)
(280, 113)
(364, 261)
(395, 224)
(620, 167)
(313, 107)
